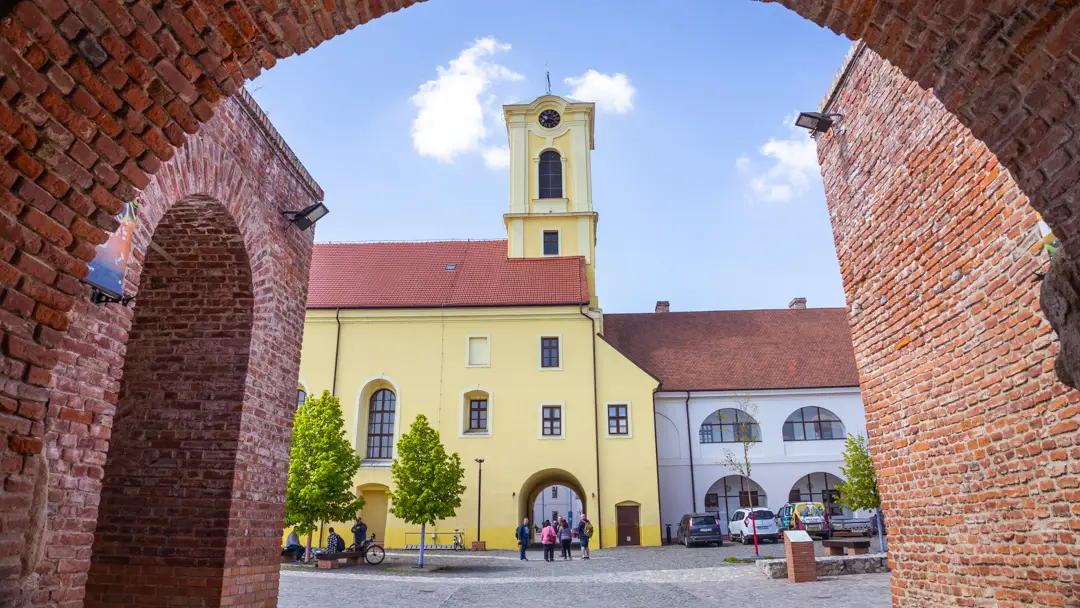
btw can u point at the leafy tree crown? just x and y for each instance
(427, 481)
(321, 468)
(858, 489)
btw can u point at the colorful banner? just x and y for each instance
(111, 261)
(1049, 241)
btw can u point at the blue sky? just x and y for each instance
(707, 196)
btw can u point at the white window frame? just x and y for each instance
(540, 419)
(469, 337)
(540, 353)
(463, 408)
(558, 234)
(629, 419)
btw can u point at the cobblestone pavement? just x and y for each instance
(662, 576)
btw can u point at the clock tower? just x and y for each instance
(551, 211)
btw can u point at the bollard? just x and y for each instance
(799, 549)
(669, 534)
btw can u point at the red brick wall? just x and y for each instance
(221, 195)
(975, 442)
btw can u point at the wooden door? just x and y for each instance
(629, 531)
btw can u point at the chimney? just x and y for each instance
(663, 306)
(797, 303)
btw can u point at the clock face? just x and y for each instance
(549, 119)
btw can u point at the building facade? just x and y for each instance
(496, 343)
(784, 378)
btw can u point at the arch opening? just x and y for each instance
(546, 479)
(819, 487)
(168, 480)
(728, 494)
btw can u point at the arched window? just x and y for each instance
(380, 440)
(550, 175)
(729, 426)
(301, 396)
(813, 424)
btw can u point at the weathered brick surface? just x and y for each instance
(169, 457)
(975, 441)
(95, 97)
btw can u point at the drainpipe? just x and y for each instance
(337, 347)
(596, 428)
(690, 445)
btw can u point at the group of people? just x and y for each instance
(558, 532)
(334, 542)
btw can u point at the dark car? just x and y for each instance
(699, 528)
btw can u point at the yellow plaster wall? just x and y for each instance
(422, 356)
(627, 465)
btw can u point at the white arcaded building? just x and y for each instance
(795, 368)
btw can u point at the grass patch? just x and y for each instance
(731, 559)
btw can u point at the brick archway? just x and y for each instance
(98, 96)
(167, 489)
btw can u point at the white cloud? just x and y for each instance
(610, 92)
(788, 168)
(497, 157)
(450, 119)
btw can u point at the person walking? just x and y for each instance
(584, 532)
(565, 536)
(548, 538)
(523, 533)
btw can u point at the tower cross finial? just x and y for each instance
(547, 73)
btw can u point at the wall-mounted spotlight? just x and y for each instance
(305, 218)
(816, 122)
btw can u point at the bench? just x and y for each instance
(853, 546)
(288, 556)
(331, 560)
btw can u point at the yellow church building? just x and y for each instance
(500, 345)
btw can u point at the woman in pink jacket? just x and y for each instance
(548, 538)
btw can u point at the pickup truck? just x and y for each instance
(854, 525)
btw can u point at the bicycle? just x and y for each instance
(459, 540)
(373, 554)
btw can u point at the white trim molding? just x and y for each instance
(540, 353)
(629, 419)
(540, 420)
(463, 412)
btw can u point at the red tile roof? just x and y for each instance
(414, 275)
(739, 349)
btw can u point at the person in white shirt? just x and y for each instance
(292, 543)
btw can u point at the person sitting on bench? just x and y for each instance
(292, 543)
(334, 543)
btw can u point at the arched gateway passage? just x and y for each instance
(541, 480)
(91, 108)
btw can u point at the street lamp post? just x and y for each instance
(479, 485)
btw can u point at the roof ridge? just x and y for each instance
(684, 312)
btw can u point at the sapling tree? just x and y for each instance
(746, 432)
(427, 482)
(321, 468)
(858, 489)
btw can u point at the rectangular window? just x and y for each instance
(748, 499)
(551, 242)
(618, 420)
(551, 424)
(555, 492)
(478, 414)
(549, 352)
(479, 351)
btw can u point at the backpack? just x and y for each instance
(588, 529)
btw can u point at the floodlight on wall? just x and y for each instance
(306, 218)
(816, 122)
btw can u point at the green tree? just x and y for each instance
(321, 468)
(427, 482)
(858, 489)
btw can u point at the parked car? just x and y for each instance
(742, 528)
(809, 516)
(699, 528)
(853, 525)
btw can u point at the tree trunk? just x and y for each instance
(423, 533)
(307, 553)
